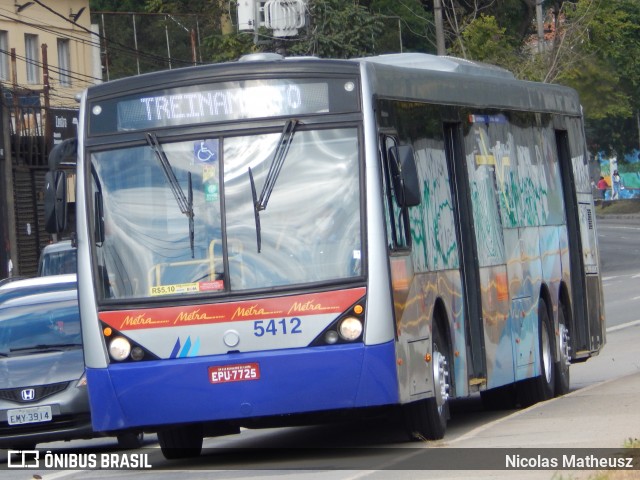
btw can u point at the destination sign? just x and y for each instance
(225, 101)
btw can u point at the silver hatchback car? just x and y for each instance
(43, 391)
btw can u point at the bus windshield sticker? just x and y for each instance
(210, 183)
(206, 151)
(186, 288)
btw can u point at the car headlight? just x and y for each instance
(82, 381)
(119, 348)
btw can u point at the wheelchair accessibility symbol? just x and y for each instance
(206, 151)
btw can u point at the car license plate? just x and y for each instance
(20, 416)
(234, 373)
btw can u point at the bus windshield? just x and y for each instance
(151, 245)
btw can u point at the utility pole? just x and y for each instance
(638, 120)
(437, 12)
(540, 21)
(48, 131)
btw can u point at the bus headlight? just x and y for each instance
(137, 353)
(119, 348)
(350, 328)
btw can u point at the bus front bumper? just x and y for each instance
(231, 387)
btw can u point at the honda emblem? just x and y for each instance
(28, 394)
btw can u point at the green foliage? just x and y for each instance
(407, 19)
(338, 30)
(484, 40)
(607, 75)
(227, 48)
(599, 90)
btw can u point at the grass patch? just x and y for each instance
(632, 448)
(617, 207)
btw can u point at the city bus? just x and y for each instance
(278, 241)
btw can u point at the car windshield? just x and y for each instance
(166, 206)
(57, 262)
(41, 324)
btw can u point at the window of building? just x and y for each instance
(64, 62)
(32, 56)
(4, 55)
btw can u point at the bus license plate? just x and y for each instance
(234, 373)
(21, 416)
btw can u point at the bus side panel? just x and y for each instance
(415, 313)
(498, 326)
(291, 381)
(522, 248)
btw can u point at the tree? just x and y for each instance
(406, 19)
(608, 73)
(338, 29)
(484, 40)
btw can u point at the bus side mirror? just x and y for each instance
(404, 175)
(55, 201)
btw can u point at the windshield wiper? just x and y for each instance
(279, 155)
(185, 204)
(45, 346)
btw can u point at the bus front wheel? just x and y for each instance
(181, 442)
(427, 419)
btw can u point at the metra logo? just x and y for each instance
(309, 306)
(140, 320)
(251, 311)
(194, 316)
(186, 350)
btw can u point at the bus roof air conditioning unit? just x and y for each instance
(284, 17)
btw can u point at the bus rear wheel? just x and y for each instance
(541, 387)
(564, 360)
(181, 442)
(427, 419)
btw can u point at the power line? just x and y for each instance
(56, 31)
(104, 38)
(60, 32)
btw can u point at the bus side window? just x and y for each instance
(400, 188)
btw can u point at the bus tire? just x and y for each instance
(181, 442)
(130, 440)
(542, 387)
(427, 419)
(500, 398)
(563, 378)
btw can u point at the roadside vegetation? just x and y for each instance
(632, 447)
(617, 207)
